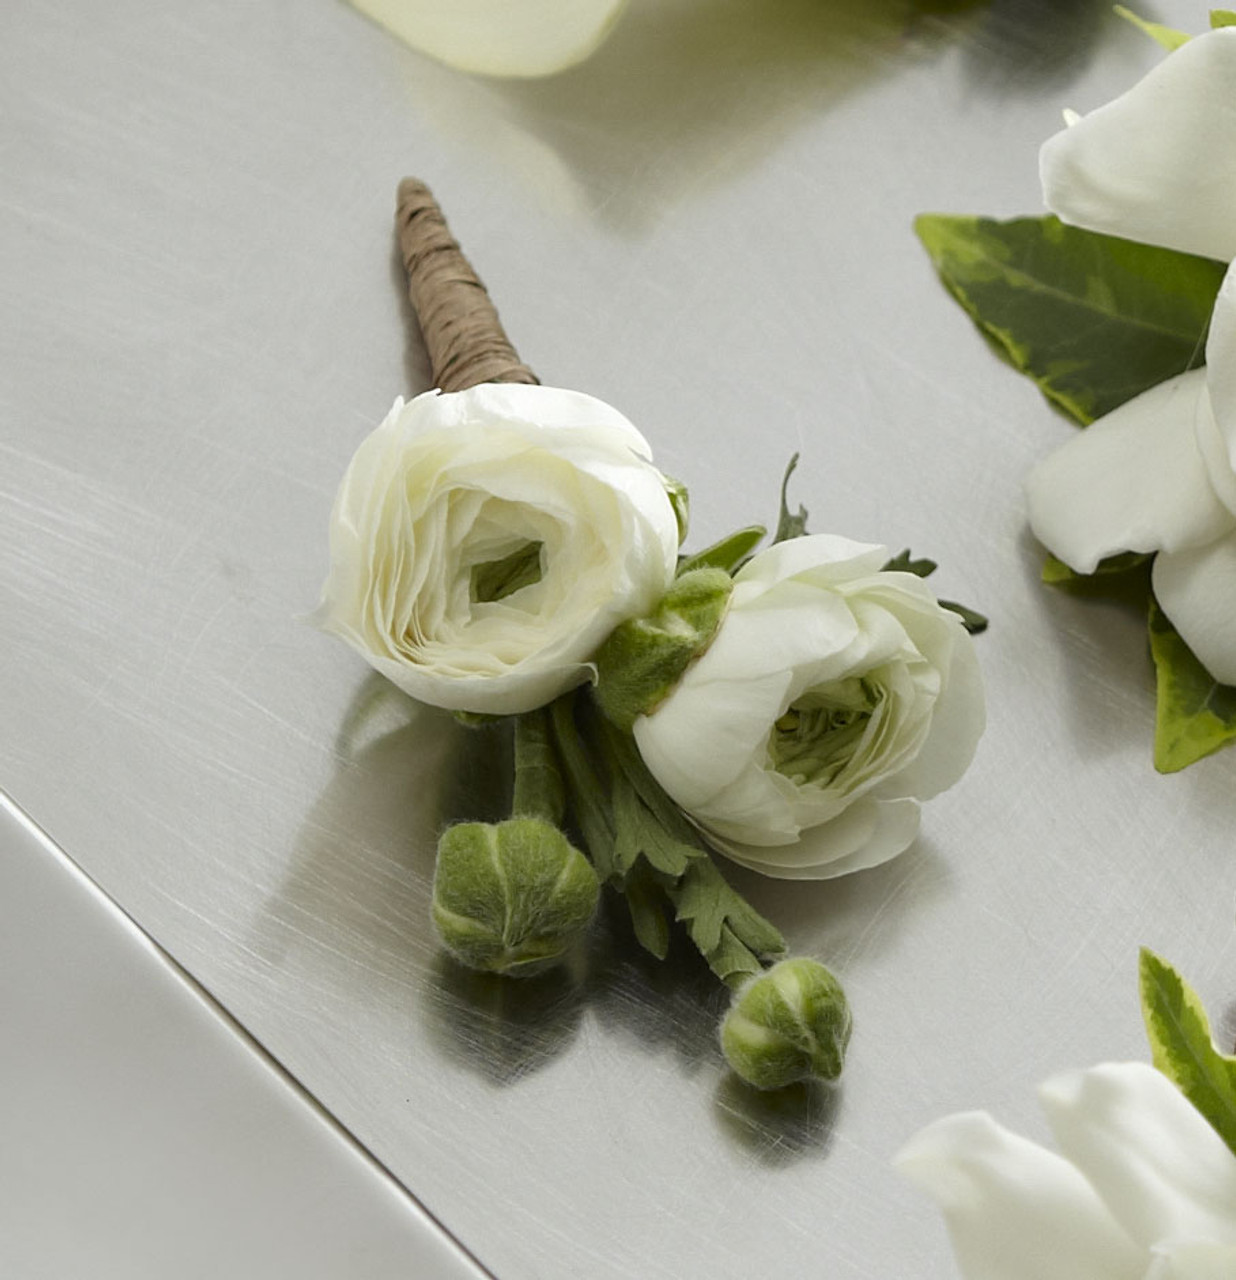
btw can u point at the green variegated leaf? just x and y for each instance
(1093, 319)
(1182, 1045)
(1194, 714)
(1168, 37)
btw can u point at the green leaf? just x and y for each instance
(1168, 37)
(789, 524)
(1124, 578)
(730, 934)
(1182, 1046)
(904, 562)
(973, 621)
(1093, 319)
(1222, 18)
(638, 833)
(1194, 714)
(646, 903)
(728, 554)
(497, 579)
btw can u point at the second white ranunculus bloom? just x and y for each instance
(1142, 1188)
(833, 698)
(1158, 165)
(484, 543)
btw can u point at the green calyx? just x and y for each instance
(511, 897)
(792, 1023)
(643, 659)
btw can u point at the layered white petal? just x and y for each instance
(797, 740)
(1197, 590)
(1134, 480)
(1221, 378)
(1157, 164)
(868, 833)
(452, 482)
(1014, 1210)
(499, 37)
(1160, 1168)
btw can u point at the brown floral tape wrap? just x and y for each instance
(467, 344)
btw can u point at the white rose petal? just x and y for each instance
(833, 698)
(1145, 1188)
(452, 482)
(499, 37)
(1156, 164)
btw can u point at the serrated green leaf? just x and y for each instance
(973, 621)
(646, 904)
(637, 832)
(728, 553)
(1093, 319)
(904, 562)
(1222, 18)
(721, 922)
(789, 524)
(1182, 1045)
(1195, 715)
(1168, 37)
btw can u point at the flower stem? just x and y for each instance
(467, 344)
(539, 792)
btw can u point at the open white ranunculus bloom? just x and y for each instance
(499, 37)
(1143, 1187)
(1158, 474)
(833, 698)
(484, 543)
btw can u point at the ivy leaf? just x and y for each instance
(789, 524)
(1093, 319)
(1182, 1046)
(1194, 714)
(1168, 37)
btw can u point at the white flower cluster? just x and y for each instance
(1158, 165)
(485, 542)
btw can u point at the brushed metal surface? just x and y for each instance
(709, 226)
(144, 1134)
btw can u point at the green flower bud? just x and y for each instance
(789, 1024)
(510, 898)
(641, 662)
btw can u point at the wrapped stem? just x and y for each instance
(466, 342)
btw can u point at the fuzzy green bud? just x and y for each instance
(789, 1024)
(511, 897)
(641, 662)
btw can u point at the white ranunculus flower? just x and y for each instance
(499, 37)
(833, 699)
(1158, 474)
(485, 542)
(1144, 1188)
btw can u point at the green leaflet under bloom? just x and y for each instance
(1093, 319)
(1182, 1045)
(1168, 37)
(1194, 714)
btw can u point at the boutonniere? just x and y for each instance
(510, 552)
